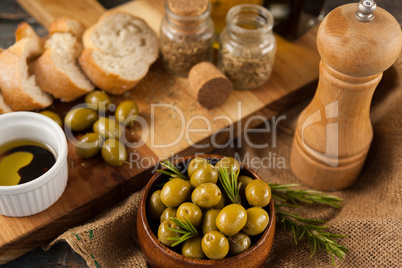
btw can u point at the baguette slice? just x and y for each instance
(18, 86)
(119, 50)
(57, 71)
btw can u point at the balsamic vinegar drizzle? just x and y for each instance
(22, 161)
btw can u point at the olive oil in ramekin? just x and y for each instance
(24, 160)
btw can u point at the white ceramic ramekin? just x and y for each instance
(39, 194)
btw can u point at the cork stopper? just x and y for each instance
(209, 85)
(188, 8)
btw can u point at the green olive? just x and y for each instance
(89, 145)
(215, 245)
(108, 128)
(98, 100)
(245, 180)
(229, 163)
(238, 243)
(168, 213)
(189, 211)
(194, 164)
(80, 118)
(209, 221)
(113, 152)
(231, 219)
(52, 115)
(192, 248)
(127, 112)
(206, 195)
(258, 193)
(175, 192)
(205, 173)
(155, 207)
(164, 232)
(257, 221)
(221, 203)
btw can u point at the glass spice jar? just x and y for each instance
(186, 35)
(221, 7)
(247, 46)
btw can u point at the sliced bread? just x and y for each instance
(18, 85)
(57, 71)
(118, 51)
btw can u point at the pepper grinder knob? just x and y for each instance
(365, 10)
(334, 132)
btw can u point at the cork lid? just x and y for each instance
(359, 42)
(188, 8)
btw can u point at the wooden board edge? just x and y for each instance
(295, 97)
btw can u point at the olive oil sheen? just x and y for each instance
(24, 160)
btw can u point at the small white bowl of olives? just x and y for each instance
(33, 163)
(195, 219)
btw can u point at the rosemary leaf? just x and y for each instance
(177, 231)
(164, 172)
(315, 234)
(283, 192)
(187, 229)
(174, 171)
(230, 185)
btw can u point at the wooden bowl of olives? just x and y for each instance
(206, 210)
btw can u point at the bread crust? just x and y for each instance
(55, 81)
(67, 25)
(10, 80)
(24, 31)
(86, 38)
(4, 108)
(109, 82)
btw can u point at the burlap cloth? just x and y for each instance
(371, 216)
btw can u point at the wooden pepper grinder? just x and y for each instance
(334, 132)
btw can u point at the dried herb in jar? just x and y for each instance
(181, 54)
(248, 46)
(247, 69)
(186, 35)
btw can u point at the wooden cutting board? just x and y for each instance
(168, 110)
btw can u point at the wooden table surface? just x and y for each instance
(61, 255)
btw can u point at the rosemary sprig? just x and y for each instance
(315, 234)
(301, 227)
(283, 193)
(229, 183)
(174, 171)
(187, 230)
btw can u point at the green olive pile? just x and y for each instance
(223, 227)
(107, 131)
